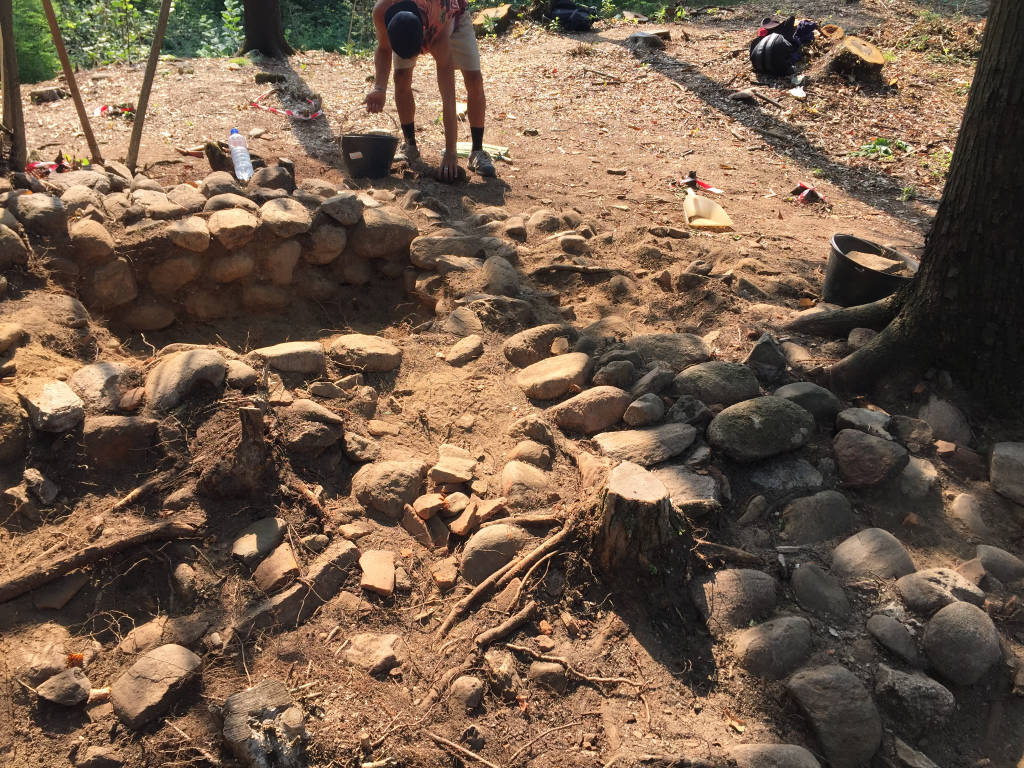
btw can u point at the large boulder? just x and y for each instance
(962, 643)
(927, 591)
(387, 486)
(775, 648)
(760, 428)
(841, 712)
(41, 214)
(554, 376)
(811, 519)
(819, 593)
(490, 548)
(821, 403)
(734, 597)
(366, 353)
(678, 350)
(285, 217)
(534, 344)
(1004, 565)
(772, 756)
(175, 377)
(590, 411)
(913, 700)
(381, 234)
(1006, 471)
(872, 553)
(717, 381)
(866, 460)
(649, 446)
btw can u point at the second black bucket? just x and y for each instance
(368, 155)
(848, 283)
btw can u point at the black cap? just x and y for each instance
(405, 28)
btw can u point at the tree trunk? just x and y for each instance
(264, 31)
(13, 117)
(964, 310)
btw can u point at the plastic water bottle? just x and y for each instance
(240, 155)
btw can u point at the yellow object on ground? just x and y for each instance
(702, 213)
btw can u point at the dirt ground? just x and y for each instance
(595, 127)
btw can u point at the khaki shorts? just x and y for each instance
(465, 53)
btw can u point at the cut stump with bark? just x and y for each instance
(638, 529)
(856, 57)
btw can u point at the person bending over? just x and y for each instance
(406, 28)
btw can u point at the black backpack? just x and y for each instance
(772, 55)
(572, 17)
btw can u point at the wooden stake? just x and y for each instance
(147, 84)
(69, 75)
(14, 118)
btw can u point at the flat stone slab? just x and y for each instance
(455, 465)
(256, 541)
(378, 566)
(592, 410)
(52, 405)
(366, 353)
(293, 356)
(151, 686)
(647, 447)
(374, 653)
(278, 569)
(554, 376)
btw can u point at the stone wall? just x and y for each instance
(144, 256)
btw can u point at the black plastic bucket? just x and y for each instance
(848, 283)
(368, 155)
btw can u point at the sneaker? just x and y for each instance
(481, 162)
(408, 152)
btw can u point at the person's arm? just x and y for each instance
(442, 53)
(381, 60)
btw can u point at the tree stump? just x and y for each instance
(241, 471)
(856, 57)
(638, 531)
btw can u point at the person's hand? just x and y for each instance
(375, 100)
(449, 170)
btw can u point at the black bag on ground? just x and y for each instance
(572, 17)
(772, 55)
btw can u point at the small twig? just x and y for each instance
(513, 623)
(766, 98)
(245, 666)
(461, 751)
(605, 75)
(534, 740)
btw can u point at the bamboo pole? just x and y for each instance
(14, 118)
(69, 75)
(147, 84)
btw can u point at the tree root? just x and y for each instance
(538, 737)
(451, 746)
(501, 577)
(859, 371)
(876, 315)
(508, 626)
(35, 574)
(438, 690)
(571, 670)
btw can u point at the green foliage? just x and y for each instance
(37, 58)
(882, 149)
(99, 32)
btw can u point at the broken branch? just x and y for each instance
(33, 575)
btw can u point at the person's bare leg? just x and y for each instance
(404, 100)
(476, 102)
